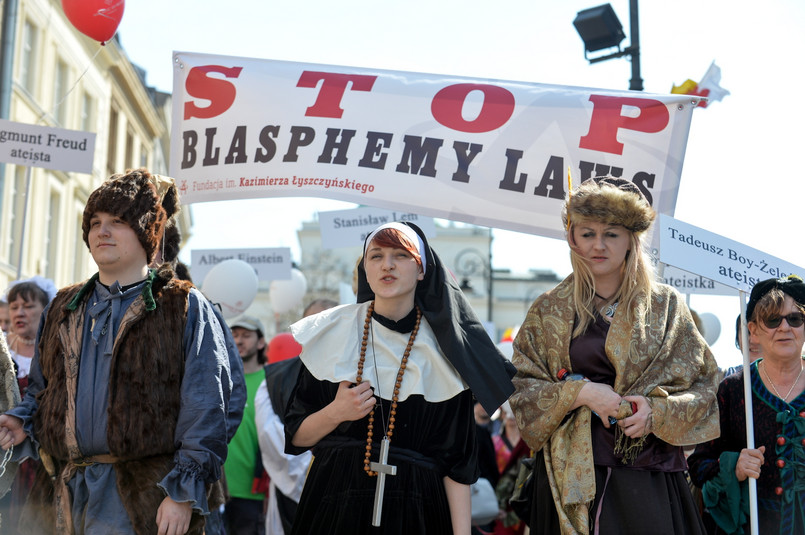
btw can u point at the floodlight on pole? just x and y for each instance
(600, 29)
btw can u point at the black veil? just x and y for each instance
(461, 336)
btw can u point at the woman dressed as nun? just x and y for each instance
(385, 397)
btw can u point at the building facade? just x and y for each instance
(62, 78)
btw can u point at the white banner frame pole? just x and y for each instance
(750, 423)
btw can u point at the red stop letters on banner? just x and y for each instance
(328, 103)
(607, 119)
(446, 106)
(220, 93)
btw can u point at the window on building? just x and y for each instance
(52, 240)
(60, 88)
(87, 113)
(17, 215)
(143, 156)
(111, 149)
(129, 149)
(30, 48)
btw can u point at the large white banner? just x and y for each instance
(488, 152)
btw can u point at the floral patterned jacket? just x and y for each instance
(660, 355)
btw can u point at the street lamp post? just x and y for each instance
(600, 29)
(530, 297)
(471, 262)
(636, 83)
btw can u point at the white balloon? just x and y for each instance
(233, 285)
(711, 327)
(286, 294)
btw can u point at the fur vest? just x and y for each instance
(144, 395)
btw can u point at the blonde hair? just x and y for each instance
(638, 279)
(611, 201)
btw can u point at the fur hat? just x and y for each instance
(166, 189)
(609, 200)
(134, 198)
(171, 242)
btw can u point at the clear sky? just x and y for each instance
(740, 178)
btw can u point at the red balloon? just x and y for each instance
(98, 19)
(282, 347)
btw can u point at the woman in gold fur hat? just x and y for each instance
(613, 378)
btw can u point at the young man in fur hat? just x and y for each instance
(129, 388)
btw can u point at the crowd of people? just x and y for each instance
(130, 405)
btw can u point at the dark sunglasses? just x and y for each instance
(795, 319)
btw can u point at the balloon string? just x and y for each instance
(59, 103)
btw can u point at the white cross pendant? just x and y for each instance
(383, 469)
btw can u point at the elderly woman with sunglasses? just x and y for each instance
(775, 315)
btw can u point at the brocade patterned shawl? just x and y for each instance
(9, 398)
(660, 355)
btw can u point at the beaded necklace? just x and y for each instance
(397, 383)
